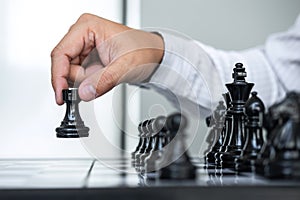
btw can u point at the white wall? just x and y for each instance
(29, 115)
(224, 24)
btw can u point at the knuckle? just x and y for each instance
(108, 78)
(85, 17)
(71, 27)
(55, 52)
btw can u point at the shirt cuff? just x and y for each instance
(187, 72)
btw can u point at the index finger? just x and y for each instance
(74, 44)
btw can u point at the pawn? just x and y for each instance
(175, 163)
(150, 146)
(72, 125)
(139, 144)
(145, 144)
(160, 132)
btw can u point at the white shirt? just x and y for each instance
(196, 73)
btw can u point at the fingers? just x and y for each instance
(84, 68)
(78, 73)
(132, 67)
(96, 80)
(77, 43)
(100, 82)
(59, 76)
(119, 48)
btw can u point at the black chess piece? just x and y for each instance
(226, 131)
(273, 121)
(239, 91)
(151, 144)
(254, 134)
(145, 143)
(175, 162)
(72, 125)
(284, 158)
(267, 149)
(160, 132)
(217, 124)
(139, 144)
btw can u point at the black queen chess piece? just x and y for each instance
(72, 125)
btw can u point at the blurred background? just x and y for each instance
(30, 29)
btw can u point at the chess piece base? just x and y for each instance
(72, 132)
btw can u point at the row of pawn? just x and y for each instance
(161, 152)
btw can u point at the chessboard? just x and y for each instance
(115, 178)
(254, 154)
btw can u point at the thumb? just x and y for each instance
(98, 83)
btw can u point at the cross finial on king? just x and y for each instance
(239, 73)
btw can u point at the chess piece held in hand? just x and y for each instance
(72, 125)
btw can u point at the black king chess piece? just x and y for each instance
(239, 91)
(72, 125)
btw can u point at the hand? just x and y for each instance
(98, 54)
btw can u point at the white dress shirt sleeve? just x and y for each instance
(197, 72)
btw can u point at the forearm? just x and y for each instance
(197, 72)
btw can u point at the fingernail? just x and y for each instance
(89, 92)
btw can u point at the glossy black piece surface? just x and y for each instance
(281, 156)
(72, 125)
(175, 163)
(255, 110)
(216, 133)
(239, 91)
